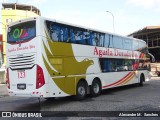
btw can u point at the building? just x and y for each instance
(1, 49)
(151, 34)
(12, 12)
(2, 71)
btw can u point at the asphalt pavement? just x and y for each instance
(4, 92)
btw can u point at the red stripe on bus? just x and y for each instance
(117, 81)
(127, 79)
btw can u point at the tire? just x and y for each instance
(81, 91)
(95, 89)
(142, 79)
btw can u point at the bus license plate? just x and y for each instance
(21, 86)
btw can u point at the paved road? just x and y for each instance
(129, 98)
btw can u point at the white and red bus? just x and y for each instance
(49, 58)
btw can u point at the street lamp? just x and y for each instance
(113, 19)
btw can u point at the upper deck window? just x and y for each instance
(59, 32)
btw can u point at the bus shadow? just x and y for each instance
(29, 107)
(48, 105)
(113, 91)
(19, 104)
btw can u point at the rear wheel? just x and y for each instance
(81, 91)
(95, 88)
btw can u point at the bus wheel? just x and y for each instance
(95, 88)
(142, 79)
(81, 91)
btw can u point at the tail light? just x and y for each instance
(7, 79)
(40, 77)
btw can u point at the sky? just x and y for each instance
(129, 15)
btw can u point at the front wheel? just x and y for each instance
(81, 91)
(95, 88)
(142, 79)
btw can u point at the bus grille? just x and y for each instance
(25, 61)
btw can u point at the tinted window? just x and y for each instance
(22, 32)
(116, 65)
(135, 45)
(143, 64)
(111, 41)
(143, 47)
(106, 40)
(95, 39)
(101, 39)
(127, 43)
(60, 33)
(118, 42)
(106, 65)
(66, 33)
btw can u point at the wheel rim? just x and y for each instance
(96, 88)
(81, 91)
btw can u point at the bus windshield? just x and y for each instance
(22, 32)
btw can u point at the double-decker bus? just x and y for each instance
(49, 58)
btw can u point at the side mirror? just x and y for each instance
(152, 57)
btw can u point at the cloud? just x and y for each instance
(144, 3)
(96, 21)
(99, 20)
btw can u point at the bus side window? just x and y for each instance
(89, 41)
(106, 41)
(111, 41)
(54, 32)
(95, 39)
(135, 45)
(116, 65)
(101, 40)
(118, 42)
(91, 37)
(72, 36)
(142, 46)
(65, 34)
(80, 37)
(86, 37)
(129, 63)
(106, 65)
(127, 43)
(77, 36)
(135, 64)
